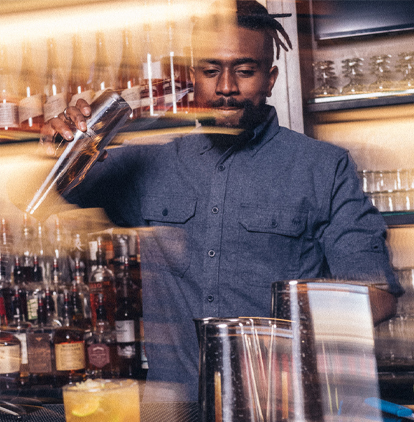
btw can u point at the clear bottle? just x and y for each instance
(78, 77)
(69, 349)
(6, 247)
(9, 116)
(59, 251)
(101, 346)
(78, 251)
(34, 288)
(102, 73)
(58, 289)
(18, 327)
(27, 250)
(127, 321)
(55, 88)
(40, 348)
(129, 76)
(102, 281)
(83, 294)
(19, 284)
(50, 308)
(30, 93)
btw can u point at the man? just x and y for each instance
(225, 216)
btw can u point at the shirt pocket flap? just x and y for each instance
(286, 222)
(177, 209)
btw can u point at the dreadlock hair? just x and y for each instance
(252, 15)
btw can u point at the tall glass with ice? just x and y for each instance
(102, 401)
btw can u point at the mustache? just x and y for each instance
(227, 102)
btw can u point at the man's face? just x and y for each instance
(232, 76)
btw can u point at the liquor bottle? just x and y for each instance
(19, 284)
(27, 250)
(6, 247)
(102, 281)
(40, 348)
(50, 308)
(58, 289)
(127, 334)
(8, 97)
(18, 327)
(83, 294)
(59, 251)
(76, 304)
(34, 287)
(69, 348)
(78, 251)
(10, 358)
(151, 89)
(102, 72)
(6, 293)
(30, 93)
(101, 346)
(55, 89)
(129, 76)
(78, 86)
(42, 250)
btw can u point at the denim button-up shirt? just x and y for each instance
(221, 222)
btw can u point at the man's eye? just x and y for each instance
(245, 73)
(210, 72)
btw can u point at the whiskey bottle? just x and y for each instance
(6, 293)
(101, 347)
(34, 287)
(129, 76)
(102, 281)
(127, 334)
(10, 358)
(30, 96)
(78, 86)
(55, 88)
(69, 348)
(40, 348)
(8, 96)
(76, 304)
(6, 247)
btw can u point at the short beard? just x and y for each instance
(252, 115)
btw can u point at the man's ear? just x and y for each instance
(273, 74)
(192, 74)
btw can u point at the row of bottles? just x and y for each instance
(149, 86)
(66, 331)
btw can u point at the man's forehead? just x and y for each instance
(229, 43)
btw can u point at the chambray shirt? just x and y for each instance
(220, 224)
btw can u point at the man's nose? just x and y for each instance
(227, 84)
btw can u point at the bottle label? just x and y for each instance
(132, 97)
(23, 342)
(32, 306)
(98, 355)
(85, 95)
(30, 107)
(126, 350)
(53, 106)
(125, 331)
(9, 359)
(40, 357)
(8, 115)
(70, 356)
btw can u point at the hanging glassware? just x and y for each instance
(405, 65)
(380, 67)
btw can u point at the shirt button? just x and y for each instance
(165, 212)
(211, 253)
(221, 167)
(210, 298)
(215, 210)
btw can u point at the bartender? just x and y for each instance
(224, 216)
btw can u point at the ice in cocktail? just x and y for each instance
(102, 401)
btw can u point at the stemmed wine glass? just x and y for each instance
(405, 65)
(324, 72)
(352, 69)
(380, 67)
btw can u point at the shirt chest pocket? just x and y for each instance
(269, 244)
(166, 242)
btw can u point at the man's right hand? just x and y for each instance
(64, 124)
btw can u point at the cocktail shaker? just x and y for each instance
(76, 158)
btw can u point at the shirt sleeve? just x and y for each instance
(354, 241)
